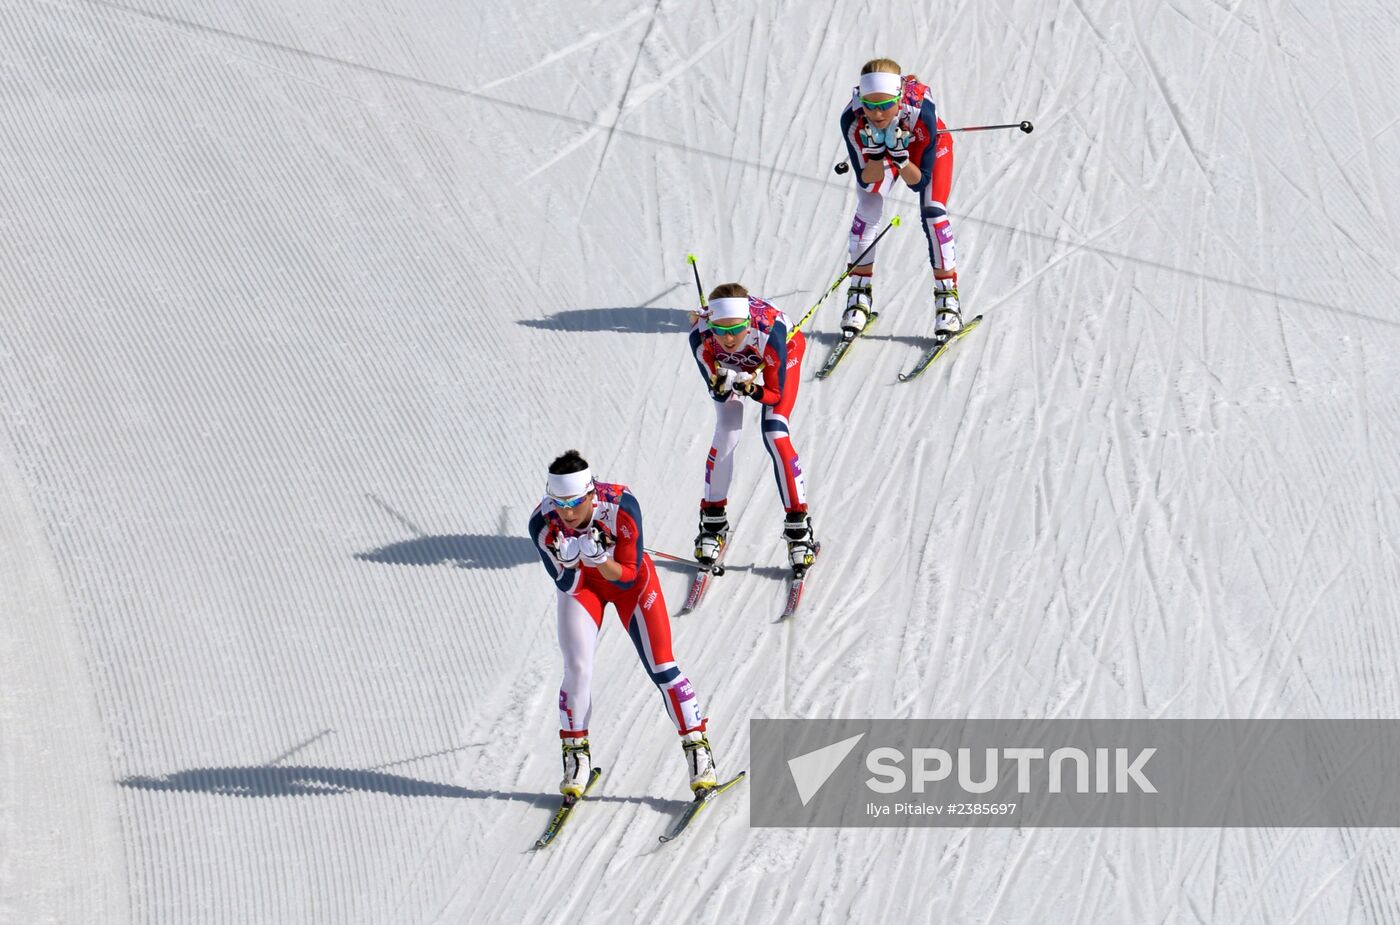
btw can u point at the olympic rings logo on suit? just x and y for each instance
(746, 360)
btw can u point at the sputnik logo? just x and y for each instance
(812, 770)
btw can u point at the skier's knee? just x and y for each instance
(665, 678)
(577, 674)
(934, 212)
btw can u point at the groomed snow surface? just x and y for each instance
(300, 299)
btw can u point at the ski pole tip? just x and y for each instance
(896, 221)
(689, 258)
(1027, 127)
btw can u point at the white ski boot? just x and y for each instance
(577, 767)
(858, 307)
(700, 760)
(714, 533)
(948, 320)
(802, 545)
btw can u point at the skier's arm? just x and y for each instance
(769, 389)
(706, 365)
(918, 177)
(565, 579)
(626, 562)
(868, 172)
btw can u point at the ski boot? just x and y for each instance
(802, 545)
(858, 307)
(577, 766)
(700, 760)
(948, 320)
(714, 533)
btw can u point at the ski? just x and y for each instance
(838, 353)
(701, 582)
(796, 584)
(937, 350)
(561, 815)
(702, 799)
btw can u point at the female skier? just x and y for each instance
(743, 349)
(891, 129)
(589, 536)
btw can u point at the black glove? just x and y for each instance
(749, 388)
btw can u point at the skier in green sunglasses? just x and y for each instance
(892, 131)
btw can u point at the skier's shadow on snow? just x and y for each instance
(463, 550)
(644, 319)
(649, 319)
(763, 571)
(830, 338)
(289, 781)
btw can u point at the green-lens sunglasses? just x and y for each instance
(878, 105)
(734, 328)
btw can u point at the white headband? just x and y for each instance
(733, 307)
(569, 485)
(881, 82)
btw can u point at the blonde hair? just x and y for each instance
(728, 291)
(881, 65)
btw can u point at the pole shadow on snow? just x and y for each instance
(265, 781)
(463, 550)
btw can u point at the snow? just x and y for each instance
(297, 302)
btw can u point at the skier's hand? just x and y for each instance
(897, 144)
(721, 382)
(749, 388)
(569, 551)
(872, 143)
(593, 546)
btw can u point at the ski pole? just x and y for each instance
(893, 223)
(699, 290)
(1024, 125)
(713, 569)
